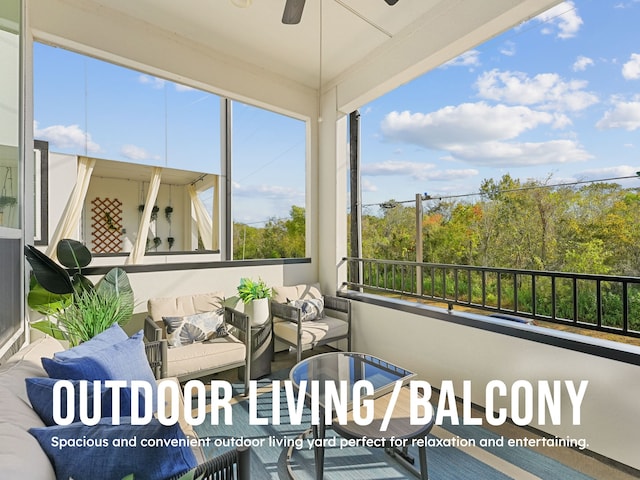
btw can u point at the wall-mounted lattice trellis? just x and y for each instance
(106, 224)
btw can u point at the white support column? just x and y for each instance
(333, 167)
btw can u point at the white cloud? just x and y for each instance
(509, 49)
(470, 58)
(269, 192)
(503, 154)
(66, 137)
(416, 170)
(155, 82)
(133, 152)
(631, 69)
(581, 63)
(478, 134)
(609, 172)
(368, 186)
(562, 20)
(546, 90)
(625, 115)
(466, 123)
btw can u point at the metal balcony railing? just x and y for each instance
(600, 302)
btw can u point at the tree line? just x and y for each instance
(530, 225)
(520, 225)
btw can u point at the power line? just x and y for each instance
(509, 190)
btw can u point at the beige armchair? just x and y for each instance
(201, 357)
(292, 328)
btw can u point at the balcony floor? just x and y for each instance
(591, 466)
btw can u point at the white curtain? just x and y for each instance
(203, 219)
(139, 247)
(68, 225)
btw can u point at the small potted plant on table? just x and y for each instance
(255, 295)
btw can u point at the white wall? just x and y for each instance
(202, 280)
(438, 350)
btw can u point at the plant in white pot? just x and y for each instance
(255, 295)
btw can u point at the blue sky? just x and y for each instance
(558, 97)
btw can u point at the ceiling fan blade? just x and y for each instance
(391, 2)
(293, 12)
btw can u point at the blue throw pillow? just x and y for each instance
(125, 360)
(113, 334)
(115, 451)
(40, 393)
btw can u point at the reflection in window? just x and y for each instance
(11, 292)
(9, 114)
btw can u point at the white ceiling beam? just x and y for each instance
(427, 43)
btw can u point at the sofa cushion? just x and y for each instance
(21, 455)
(40, 392)
(312, 332)
(98, 457)
(201, 357)
(113, 334)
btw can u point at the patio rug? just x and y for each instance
(269, 460)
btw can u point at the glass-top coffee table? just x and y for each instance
(330, 372)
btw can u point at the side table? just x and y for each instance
(261, 347)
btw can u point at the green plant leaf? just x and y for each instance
(48, 273)
(81, 283)
(249, 290)
(43, 301)
(50, 328)
(73, 254)
(116, 282)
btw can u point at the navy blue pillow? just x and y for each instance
(96, 454)
(113, 334)
(40, 393)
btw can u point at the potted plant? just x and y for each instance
(255, 295)
(74, 308)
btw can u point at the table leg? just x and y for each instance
(318, 450)
(422, 453)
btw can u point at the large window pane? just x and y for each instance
(128, 122)
(268, 184)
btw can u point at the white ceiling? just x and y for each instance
(349, 31)
(363, 48)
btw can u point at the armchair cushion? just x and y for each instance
(183, 305)
(310, 308)
(296, 292)
(313, 332)
(198, 327)
(199, 357)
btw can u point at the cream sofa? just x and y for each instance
(20, 453)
